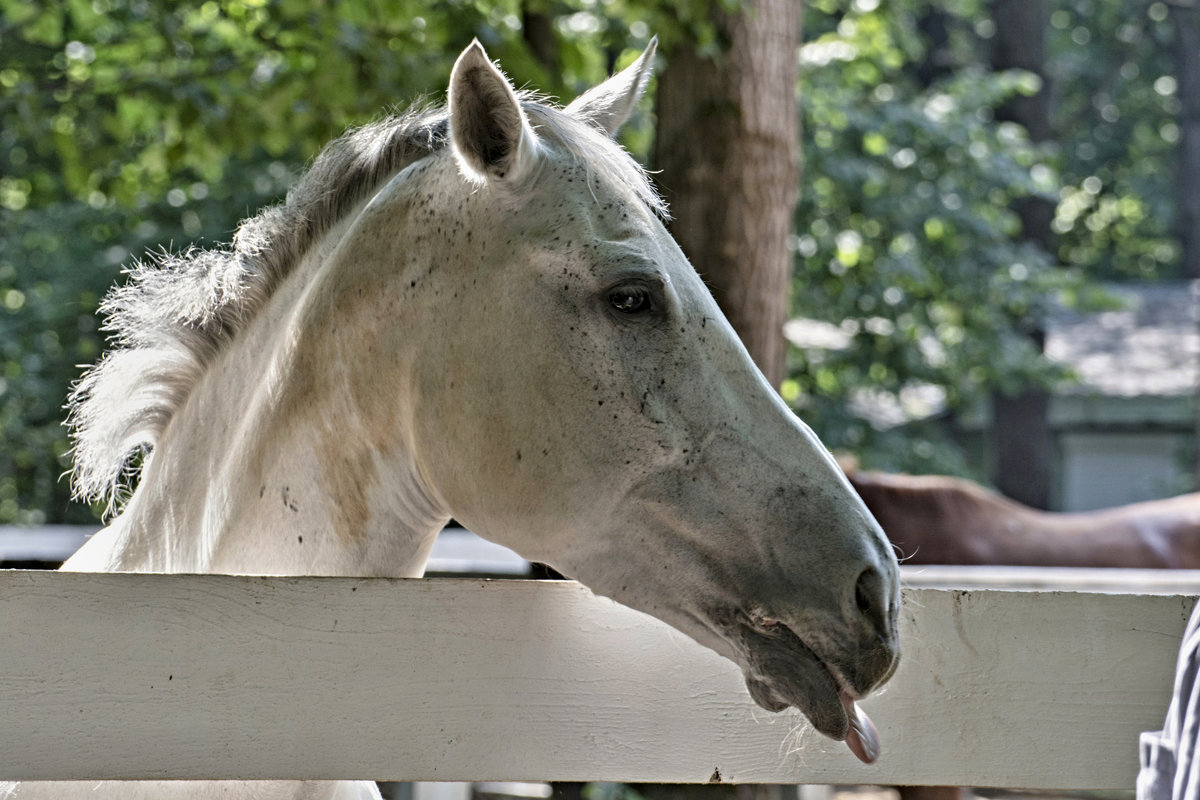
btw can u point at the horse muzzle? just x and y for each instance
(782, 671)
(823, 671)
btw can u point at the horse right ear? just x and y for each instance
(490, 133)
(608, 105)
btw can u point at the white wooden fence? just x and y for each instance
(148, 676)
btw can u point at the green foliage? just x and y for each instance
(56, 262)
(906, 238)
(1116, 111)
(120, 99)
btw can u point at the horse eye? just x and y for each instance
(631, 300)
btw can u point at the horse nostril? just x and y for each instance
(871, 597)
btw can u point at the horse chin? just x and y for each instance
(777, 680)
(782, 671)
(819, 699)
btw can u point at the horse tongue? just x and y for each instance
(863, 739)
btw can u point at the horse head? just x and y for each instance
(477, 312)
(594, 410)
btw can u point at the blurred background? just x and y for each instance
(958, 236)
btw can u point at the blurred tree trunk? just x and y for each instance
(726, 146)
(1021, 444)
(537, 28)
(938, 61)
(1186, 18)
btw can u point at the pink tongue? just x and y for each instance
(863, 739)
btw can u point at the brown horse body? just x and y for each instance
(934, 519)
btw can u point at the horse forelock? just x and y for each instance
(178, 310)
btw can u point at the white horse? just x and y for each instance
(476, 312)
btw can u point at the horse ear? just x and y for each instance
(609, 104)
(490, 133)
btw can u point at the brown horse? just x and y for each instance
(935, 519)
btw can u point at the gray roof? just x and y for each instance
(1149, 347)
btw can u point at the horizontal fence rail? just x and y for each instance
(168, 676)
(1078, 579)
(455, 551)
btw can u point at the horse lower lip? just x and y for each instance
(784, 671)
(762, 694)
(823, 707)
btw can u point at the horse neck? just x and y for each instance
(261, 470)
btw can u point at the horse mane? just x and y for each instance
(177, 311)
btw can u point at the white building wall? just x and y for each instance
(1103, 469)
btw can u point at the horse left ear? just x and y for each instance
(491, 135)
(609, 104)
